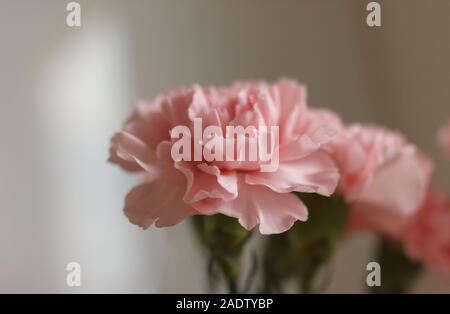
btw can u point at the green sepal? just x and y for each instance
(225, 238)
(316, 241)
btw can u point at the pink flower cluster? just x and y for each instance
(427, 237)
(383, 177)
(174, 190)
(397, 199)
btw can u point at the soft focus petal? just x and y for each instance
(291, 95)
(156, 202)
(129, 149)
(316, 173)
(400, 185)
(297, 149)
(148, 124)
(275, 212)
(181, 106)
(392, 198)
(427, 239)
(126, 164)
(207, 186)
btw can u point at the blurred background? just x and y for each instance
(64, 91)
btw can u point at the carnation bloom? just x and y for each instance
(174, 190)
(383, 177)
(444, 138)
(427, 238)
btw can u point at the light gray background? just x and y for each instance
(64, 91)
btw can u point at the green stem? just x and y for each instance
(315, 242)
(232, 285)
(225, 239)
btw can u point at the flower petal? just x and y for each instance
(275, 212)
(128, 149)
(400, 185)
(156, 202)
(316, 173)
(207, 186)
(126, 164)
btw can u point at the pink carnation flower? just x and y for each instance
(427, 238)
(174, 190)
(444, 139)
(383, 177)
